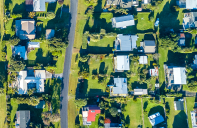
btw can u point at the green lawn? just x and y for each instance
(176, 118)
(3, 111)
(133, 113)
(151, 107)
(190, 107)
(143, 21)
(14, 106)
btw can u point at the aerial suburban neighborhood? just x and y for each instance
(98, 64)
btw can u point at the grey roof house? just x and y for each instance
(123, 21)
(22, 119)
(25, 29)
(125, 42)
(119, 88)
(149, 46)
(140, 92)
(190, 20)
(39, 5)
(19, 50)
(143, 60)
(188, 4)
(156, 119)
(178, 105)
(121, 63)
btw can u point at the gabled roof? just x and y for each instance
(21, 51)
(179, 75)
(140, 92)
(191, 4)
(123, 21)
(156, 119)
(39, 5)
(123, 62)
(93, 110)
(22, 119)
(178, 105)
(149, 46)
(120, 86)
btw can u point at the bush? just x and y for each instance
(50, 15)
(16, 65)
(113, 111)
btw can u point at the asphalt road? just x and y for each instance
(67, 64)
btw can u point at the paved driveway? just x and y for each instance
(67, 63)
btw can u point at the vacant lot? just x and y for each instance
(176, 118)
(133, 113)
(190, 107)
(3, 111)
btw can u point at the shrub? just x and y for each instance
(113, 111)
(50, 15)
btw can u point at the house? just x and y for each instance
(140, 92)
(119, 88)
(25, 29)
(29, 5)
(194, 66)
(123, 21)
(154, 72)
(178, 105)
(175, 76)
(188, 4)
(143, 60)
(156, 119)
(29, 79)
(181, 41)
(125, 42)
(146, 1)
(194, 118)
(41, 105)
(39, 5)
(20, 51)
(22, 119)
(89, 113)
(50, 33)
(121, 63)
(190, 20)
(109, 124)
(32, 45)
(149, 46)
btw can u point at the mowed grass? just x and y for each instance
(143, 21)
(190, 107)
(151, 107)
(176, 118)
(14, 106)
(3, 111)
(133, 113)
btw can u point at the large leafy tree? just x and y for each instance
(56, 44)
(14, 41)
(16, 65)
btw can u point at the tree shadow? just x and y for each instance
(145, 105)
(51, 7)
(180, 120)
(81, 89)
(156, 109)
(101, 68)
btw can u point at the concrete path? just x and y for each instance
(67, 64)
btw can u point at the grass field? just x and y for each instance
(143, 21)
(3, 111)
(190, 107)
(176, 118)
(151, 106)
(133, 113)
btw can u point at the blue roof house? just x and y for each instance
(123, 21)
(119, 88)
(125, 42)
(156, 119)
(39, 5)
(19, 50)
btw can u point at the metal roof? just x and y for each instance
(21, 51)
(143, 60)
(191, 4)
(123, 21)
(178, 105)
(140, 92)
(39, 5)
(179, 75)
(23, 119)
(33, 45)
(156, 119)
(120, 86)
(127, 42)
(123, 62)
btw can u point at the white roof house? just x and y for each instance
(143, 60)
(193, 118)
(122, 63)
(179, 75)
(27, 81)
(125, 42)
(191, 4)
(20, 50)
(39, 5)
(140, 92)
(123, 21)
(33, 45)
(119, 88)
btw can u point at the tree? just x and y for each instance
(31, 91)
(32, 14)
(113, 111)
(122, 11)
(50, 15)
(80, 103)
(16, 65)
(14, 41)
(38, 66)
(156, 56)
(47, 117)
(56, 44)
(84, 58)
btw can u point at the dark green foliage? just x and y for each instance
(14, 41)
(50, 15)
(81, 102)
(113, 111)
(56, 44)
(16, 65)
